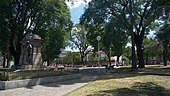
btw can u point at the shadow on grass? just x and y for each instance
(92, 75)
(82, 80)
(126, 73)
(138, 89)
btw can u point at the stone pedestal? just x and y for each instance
(31, 58)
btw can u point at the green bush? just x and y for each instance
(4, 76)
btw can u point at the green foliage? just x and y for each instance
(153, 25)
(19, 17)
(164, 35)
(72, 58)
(115, 37)
(94, 31)
(95, 16)
(3, 41)
(4, 33)
(79, 40)
(93, 58)
(52, 43)
(103, 18)
(127, 52)
(152, 48)
(144, 13)
(69, 58)
(97, 11)
(76, 58)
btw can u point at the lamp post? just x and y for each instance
(85, 42)
(72, 54)
(98, 39)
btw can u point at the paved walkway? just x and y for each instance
(53, 89)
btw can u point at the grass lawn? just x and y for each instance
(32, 74)
(153, 81)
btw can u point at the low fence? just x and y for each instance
(23, 78)
(15, 79)
(8, 74)
(38, 81)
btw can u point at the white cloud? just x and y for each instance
(76, 3)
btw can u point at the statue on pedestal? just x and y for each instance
(30, 52)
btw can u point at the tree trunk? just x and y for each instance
(73, 58)
(118, 59)
(165, 51)
(109, 60)
(82, 59)
(15, 52)
(140, 53)
(147, 58)
(8, 60)
(132, 37)
(4, 61)
(48, 62)
(110, 63)
(16, 60)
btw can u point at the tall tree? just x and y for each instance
(114, 38)
(142, 14)
(164, 36)
(152, 48)
(98, 13)
(145, 12)
(52, 44)
(132, 36)
(93, 32)
(37, 16)
(79, 40)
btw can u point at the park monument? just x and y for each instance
(30, 58)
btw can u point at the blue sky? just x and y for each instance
(76, 13)
(77, 9)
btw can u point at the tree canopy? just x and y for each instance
(114, 38)
(19, 17)
(144, 13)
(164, 37)
(79, 40)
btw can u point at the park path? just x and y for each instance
(52, 89)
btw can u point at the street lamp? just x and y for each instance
(98, 39)
(85, 42)
(72, 54)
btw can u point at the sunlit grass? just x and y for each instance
(122, 82)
